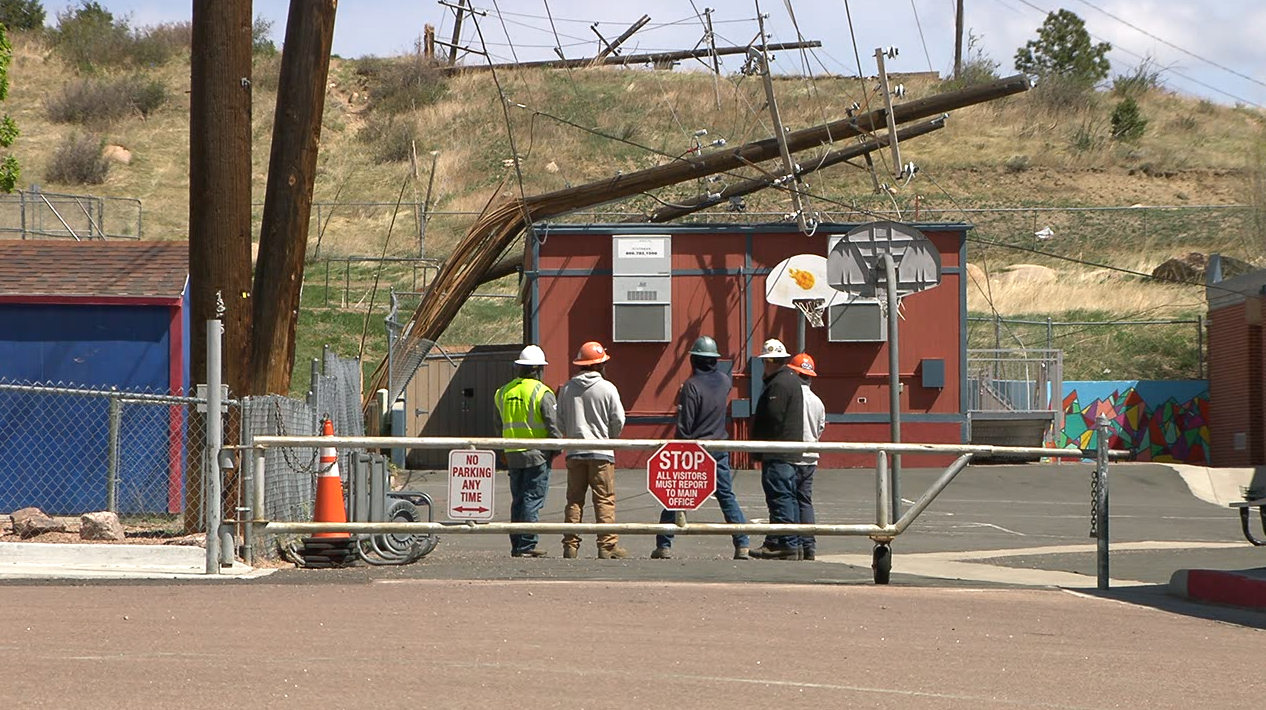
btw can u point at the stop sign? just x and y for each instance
(681, 475)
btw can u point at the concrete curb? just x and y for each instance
(25, 560)
(1243, 588)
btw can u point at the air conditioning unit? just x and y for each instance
(641, 289)
(857, 321)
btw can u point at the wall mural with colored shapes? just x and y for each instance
(1165, 421)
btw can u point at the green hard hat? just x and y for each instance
(705, 347)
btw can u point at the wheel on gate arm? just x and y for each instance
(881, 562)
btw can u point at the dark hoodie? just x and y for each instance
(701, 402)
(780, 410)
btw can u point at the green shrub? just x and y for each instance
(78, 161)
(1128, 123)
(22, 14)
(1017, 163)
(87, 36)
(100, 102)
(1087, 137)
(400, 84)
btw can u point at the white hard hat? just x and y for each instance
(531, 356)
(773, 349)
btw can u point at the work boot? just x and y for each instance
(569, 553)
(529, 553)
(662, 553)
(742, 553)
(765, 552)
(615, 553)
(808, 554)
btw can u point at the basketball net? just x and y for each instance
(812, 309)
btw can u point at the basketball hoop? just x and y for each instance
(812, 309)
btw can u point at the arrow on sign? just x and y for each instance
(464, 509)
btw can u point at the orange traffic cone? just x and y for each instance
(329, 493)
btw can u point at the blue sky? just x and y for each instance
(1227, 33)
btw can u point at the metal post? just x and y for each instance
(1050, 334)
(883, 510)
(1200, 346)
(215, 439)
(112, 455)
(258, 510)
(312, 381)
(101, 218)
(1101, 503)
(327, 283)
(894, 376)
(800, 326)
(997, 331)
(22, 210)
(250, 503)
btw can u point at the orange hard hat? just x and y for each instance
(803, 363)
(591, 353)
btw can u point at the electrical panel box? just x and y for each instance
(641, 297)
(857, 321)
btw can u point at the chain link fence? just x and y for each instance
(35, 214)
(71, 449)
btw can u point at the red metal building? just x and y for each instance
(1237, 387)
(712, 282)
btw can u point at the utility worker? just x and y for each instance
(701, 410)
(806, 464)
(779, 416)
(526, 409)
(589, 407)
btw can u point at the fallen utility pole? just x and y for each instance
(652, 58)
(511, 263)
(613, 47)
(491, 234)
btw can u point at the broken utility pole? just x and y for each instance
(614, 46)
(283, 239)
(897, 169)
(651, 58)
(219, 202)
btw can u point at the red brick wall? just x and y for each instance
(1236, 388)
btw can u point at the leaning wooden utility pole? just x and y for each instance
(460, 9)
(219, 202)
(958, 40)
(283, 239)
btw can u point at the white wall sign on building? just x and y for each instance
(470, 484)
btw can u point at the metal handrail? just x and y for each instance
(453, 442)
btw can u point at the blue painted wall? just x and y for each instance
(53, 448)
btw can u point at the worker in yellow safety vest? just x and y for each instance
(527, 409)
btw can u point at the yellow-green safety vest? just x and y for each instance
(519, 402)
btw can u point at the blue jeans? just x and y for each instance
(528, 487)
(804, 497)
(725, 497)
(784, 483)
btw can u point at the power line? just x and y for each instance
(919, 25)
(1167, 43)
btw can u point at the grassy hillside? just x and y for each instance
(1034, 150)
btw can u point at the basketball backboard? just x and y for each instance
(800, 277)
(853, 261)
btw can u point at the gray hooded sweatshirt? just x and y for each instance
(589, 408)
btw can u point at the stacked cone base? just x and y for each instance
(326, 553)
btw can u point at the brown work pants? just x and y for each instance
(583, 474)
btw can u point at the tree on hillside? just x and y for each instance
(1063, 48)
(22, 14)
(9, 169)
